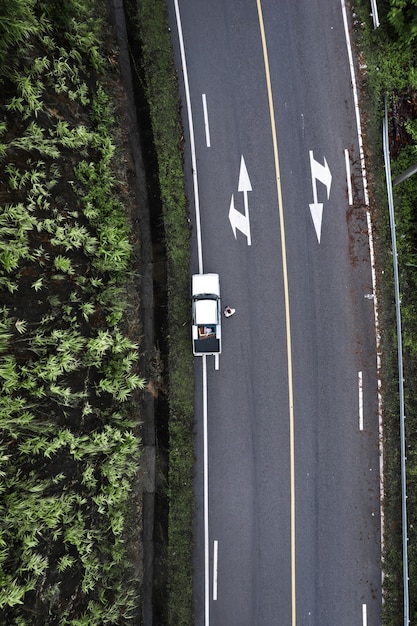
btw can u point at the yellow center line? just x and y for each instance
(287, 308)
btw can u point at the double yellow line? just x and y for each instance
(287, 310)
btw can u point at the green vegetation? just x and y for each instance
(391, 58)
(162, 96)
(68, 367)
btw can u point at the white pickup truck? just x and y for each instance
(207, 331)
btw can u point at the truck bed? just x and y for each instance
(208, 345)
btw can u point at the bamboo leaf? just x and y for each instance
(38, 284)
(21, 326)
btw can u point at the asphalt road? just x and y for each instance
(314, 350)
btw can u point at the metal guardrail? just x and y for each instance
(400, 367)
(374, 13)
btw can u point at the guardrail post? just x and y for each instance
(406, 174)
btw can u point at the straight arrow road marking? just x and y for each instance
(316, 211)
(238, 220)
(244, 182)
(320, 173)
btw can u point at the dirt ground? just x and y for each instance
(404, 109)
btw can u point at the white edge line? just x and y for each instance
(375, 298)
(348, 178)
(215, 567)
(206, 121)
(200, 269)
(192, 140)
(206, 503)
(360, 384)
(356, 102)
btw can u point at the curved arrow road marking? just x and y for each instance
(238, 220)
(322, 173)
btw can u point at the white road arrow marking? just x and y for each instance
(237, 220)
(320, 173)
(316, 211)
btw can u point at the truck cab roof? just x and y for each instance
(206, 311)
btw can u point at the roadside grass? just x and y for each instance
(161, 86)
(69, 378)
(391, 69)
